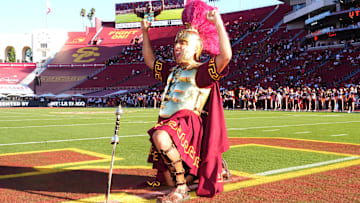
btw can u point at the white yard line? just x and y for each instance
(47, 126)
(36, 116)
(71, 125)
(305, 132)
(339, 135)
(69, 140)
(43, 119)
(246, 118)
(271, 130)
(295, 125)
(283, 170)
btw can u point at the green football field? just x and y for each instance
(64, 154)
(91, 129)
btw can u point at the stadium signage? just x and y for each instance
(317, 17)
(122, 34)
(14, 104)
(352, 14)
(66, 104)
(86, 54)
(154, 23)
(127, 25)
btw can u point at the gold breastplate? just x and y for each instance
(181, 92)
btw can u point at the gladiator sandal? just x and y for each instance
(173, 161)
(225, 171)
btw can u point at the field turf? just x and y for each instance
(263, 143)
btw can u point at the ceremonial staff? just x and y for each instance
(114, 142)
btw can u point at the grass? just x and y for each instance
(19, 127)
(268, 158)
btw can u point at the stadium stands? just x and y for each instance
(14, 73)
(265, 52)
(57, 79)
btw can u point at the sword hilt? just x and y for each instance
(118, 113)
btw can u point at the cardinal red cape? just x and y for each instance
(215, 142)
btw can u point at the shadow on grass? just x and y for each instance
(70, 184)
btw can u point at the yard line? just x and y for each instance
(271, 130)
(139, 122)
(69, 125)
(317, 115)
(46, 126)
(44, 119)
(246, 118)
(66, 118)
(69, 140)
(295, 125)
(339, 135)
(277, 171)
(36, 116)
(305, 132)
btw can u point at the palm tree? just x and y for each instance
(82, 14)
(91, 15)
(11, 55)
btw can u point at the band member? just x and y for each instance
(328, 100)
(279, 98)
(351, 99)
(254, 98)
(190, 136)
(149, 13)
(286, 98)
(341, 100)
(333, 100)
(292, 97)
(314, 101)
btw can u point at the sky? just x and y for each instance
(22, 16)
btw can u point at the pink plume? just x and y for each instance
(195, 12)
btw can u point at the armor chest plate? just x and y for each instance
(181, 92)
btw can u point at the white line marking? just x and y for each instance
(245, 118)
(70, 140)
(295, 125)
(47, 126)
(71, 125)
(305, 132)
(339, 135)
(44, 119)
(271, 130)
(277, 171)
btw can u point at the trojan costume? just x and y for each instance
(191, 111)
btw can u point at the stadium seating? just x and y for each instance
(59, 79)
(264, 52)
(114, 75)
(14, 73)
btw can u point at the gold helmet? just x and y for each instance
(192, 37)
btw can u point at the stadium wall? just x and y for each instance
(44, 44)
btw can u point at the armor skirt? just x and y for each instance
(186, 130)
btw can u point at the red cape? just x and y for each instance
(215, 142)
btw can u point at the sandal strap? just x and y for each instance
(180, 183)
(176, 173)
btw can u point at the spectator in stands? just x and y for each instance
(149, 13)
(187, 119)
